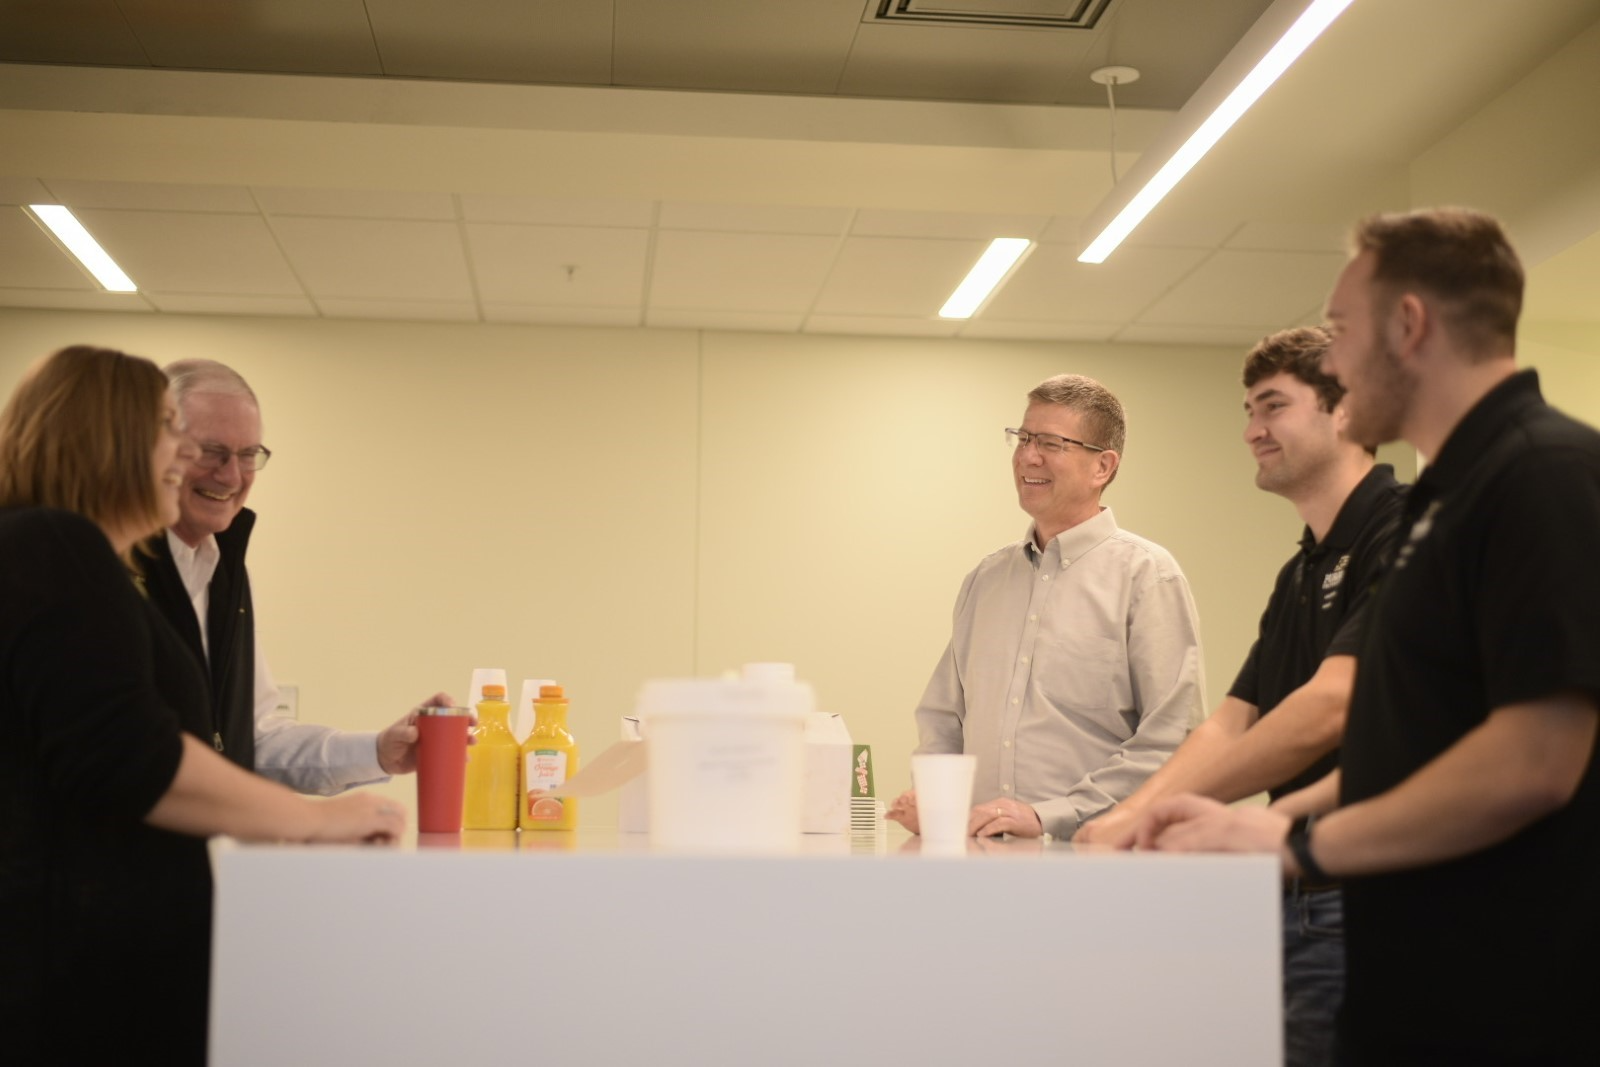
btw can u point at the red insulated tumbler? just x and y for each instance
(441, 768)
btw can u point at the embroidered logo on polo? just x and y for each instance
(1419, 530)
(1332, 581)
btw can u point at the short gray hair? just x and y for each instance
(206, 376)
(1103, 421)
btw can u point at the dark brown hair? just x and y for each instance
(1459, 257)
(1296, 352)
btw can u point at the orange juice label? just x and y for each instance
(545, 772)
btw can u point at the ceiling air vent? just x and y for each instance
(1039, 14)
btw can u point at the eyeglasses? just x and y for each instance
(1052, 443)
(215, 457)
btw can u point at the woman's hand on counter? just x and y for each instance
(357, 817)
(904, 811)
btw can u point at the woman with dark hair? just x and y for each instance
(106, 795)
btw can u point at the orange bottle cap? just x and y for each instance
(494, 692)
(547, 692)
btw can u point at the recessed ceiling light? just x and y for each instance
(1307, 28)
(84, 248)
(997, 261)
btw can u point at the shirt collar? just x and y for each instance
(1075, 541)
(1476, 433)
(1353, 512)
(195, 565)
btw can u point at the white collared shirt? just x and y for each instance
(303, 756)
(196, 566)
(1072, 673)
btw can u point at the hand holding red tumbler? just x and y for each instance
(441, 768)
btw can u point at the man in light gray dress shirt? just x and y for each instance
(1073, 670)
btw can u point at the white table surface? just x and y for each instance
(588, 948)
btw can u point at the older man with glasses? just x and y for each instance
(1074, 667)
(199, 581)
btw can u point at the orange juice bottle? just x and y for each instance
(549, 758)
(490, 802)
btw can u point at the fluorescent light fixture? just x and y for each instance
(70, 232)
(997, 261)
(1307, 28)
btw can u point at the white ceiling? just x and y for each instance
(740, 164)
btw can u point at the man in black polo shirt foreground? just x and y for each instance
(1278, 728)
(1468, 797)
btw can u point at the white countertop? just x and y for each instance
(588, 948)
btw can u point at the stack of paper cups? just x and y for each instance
(482, 676)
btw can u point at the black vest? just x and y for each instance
(230, 631)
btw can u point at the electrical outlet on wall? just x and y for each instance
(289, 701)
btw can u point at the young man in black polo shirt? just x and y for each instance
(1278, 729)
(1469, 799)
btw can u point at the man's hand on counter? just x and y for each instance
(397, 743)
(1003, 815)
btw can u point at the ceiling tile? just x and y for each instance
(200, 304)
(896, 276)
(366, 259)
(947, 224)
(882, 326)
(1012, 329)
(1241, 288)
(734, 44)
(151, 196)
(963, 63)
(738, 272)
(554, 212)
(1052, 286)
(31, 259)
(1063, 230)
(561, 316)
(400, 310)
(95, 300)
(530, 265)
(24, 191)
(68, 31)
(1290, 237)
(177, 252)
(763, 322)
(547, 41)
(755, 218)
(293, 36)
(1160, 232)
(356, 203)
(1242, 337)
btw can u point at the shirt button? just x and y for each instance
(1044, 578)
(1014, 700)
(1033, 618)
(1005, 744)
(1005, 788)
(1024, 659)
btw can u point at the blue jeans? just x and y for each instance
(1313, 974)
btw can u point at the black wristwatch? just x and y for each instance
(1299, 842)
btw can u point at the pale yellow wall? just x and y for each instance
(607, 506)
(1568, 362)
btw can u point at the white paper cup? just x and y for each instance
(727, 764)
(482, 676)
(944, 797)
